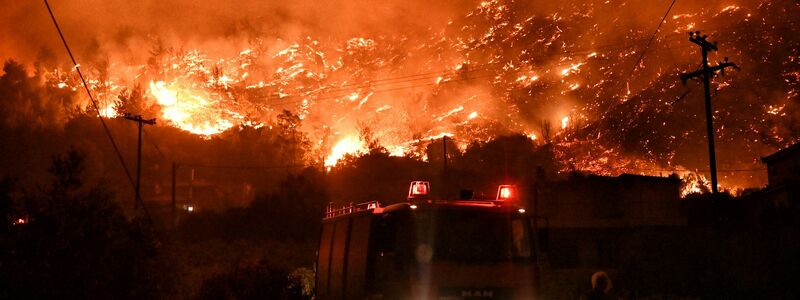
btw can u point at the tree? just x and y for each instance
(289, 131)
(132, 101)
(77, 243)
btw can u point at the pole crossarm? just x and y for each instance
(139, 122)
(700, 40)
(138, 118)
(711, 71)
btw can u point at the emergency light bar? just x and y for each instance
(506, 192)
(419, 189)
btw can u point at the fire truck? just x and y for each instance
(425, 248)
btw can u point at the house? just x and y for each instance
(779, 201)
(612, 202)
(595, 220)
(783, 167)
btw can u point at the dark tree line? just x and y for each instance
(69, 240)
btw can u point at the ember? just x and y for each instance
(495, 68)
(220, 149)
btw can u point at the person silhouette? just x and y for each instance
(601, 285)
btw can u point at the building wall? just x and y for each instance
(784, 169)
(783, 166)
(615, 224)
(598, 201)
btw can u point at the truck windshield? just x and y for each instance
(471, 236)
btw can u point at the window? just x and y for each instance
(473, 236)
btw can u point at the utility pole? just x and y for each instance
(444, 153)
(707, 72)
(140, 122)
(174, 173)
(445, 184)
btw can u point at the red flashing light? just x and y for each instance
(506, 192)
(419, 189)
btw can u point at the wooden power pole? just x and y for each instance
(140, 122)
(444, 153)
(445, 178)
(174, 173)
(707, 72)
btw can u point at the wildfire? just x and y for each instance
(187, 111)
(571, 70)
(694, 183)
(348, 145)
(473, 80)
(109, 111)
(20, 221)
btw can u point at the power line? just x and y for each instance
(483, 67)
(347, 91)
(154, 144)
(94, 104)
(213, 166)
(487, 66)
(647, 46)
(693, 171)
(605, 48)
(431, 75)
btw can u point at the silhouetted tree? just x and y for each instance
(132, 101)
(77, 243)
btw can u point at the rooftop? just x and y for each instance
(781, 153)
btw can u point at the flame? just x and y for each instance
(109, 111)
(564, 122)
(571, 70)
(729, 8)
(776, 110)
(345, 146)
(527, 80)
(397, 150)
(454, 82)
(694, 183)
(187, 111)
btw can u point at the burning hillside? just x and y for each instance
(564, 74)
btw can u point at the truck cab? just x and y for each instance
(428, 249)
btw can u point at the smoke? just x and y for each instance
(114, 27)
(409, 70)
